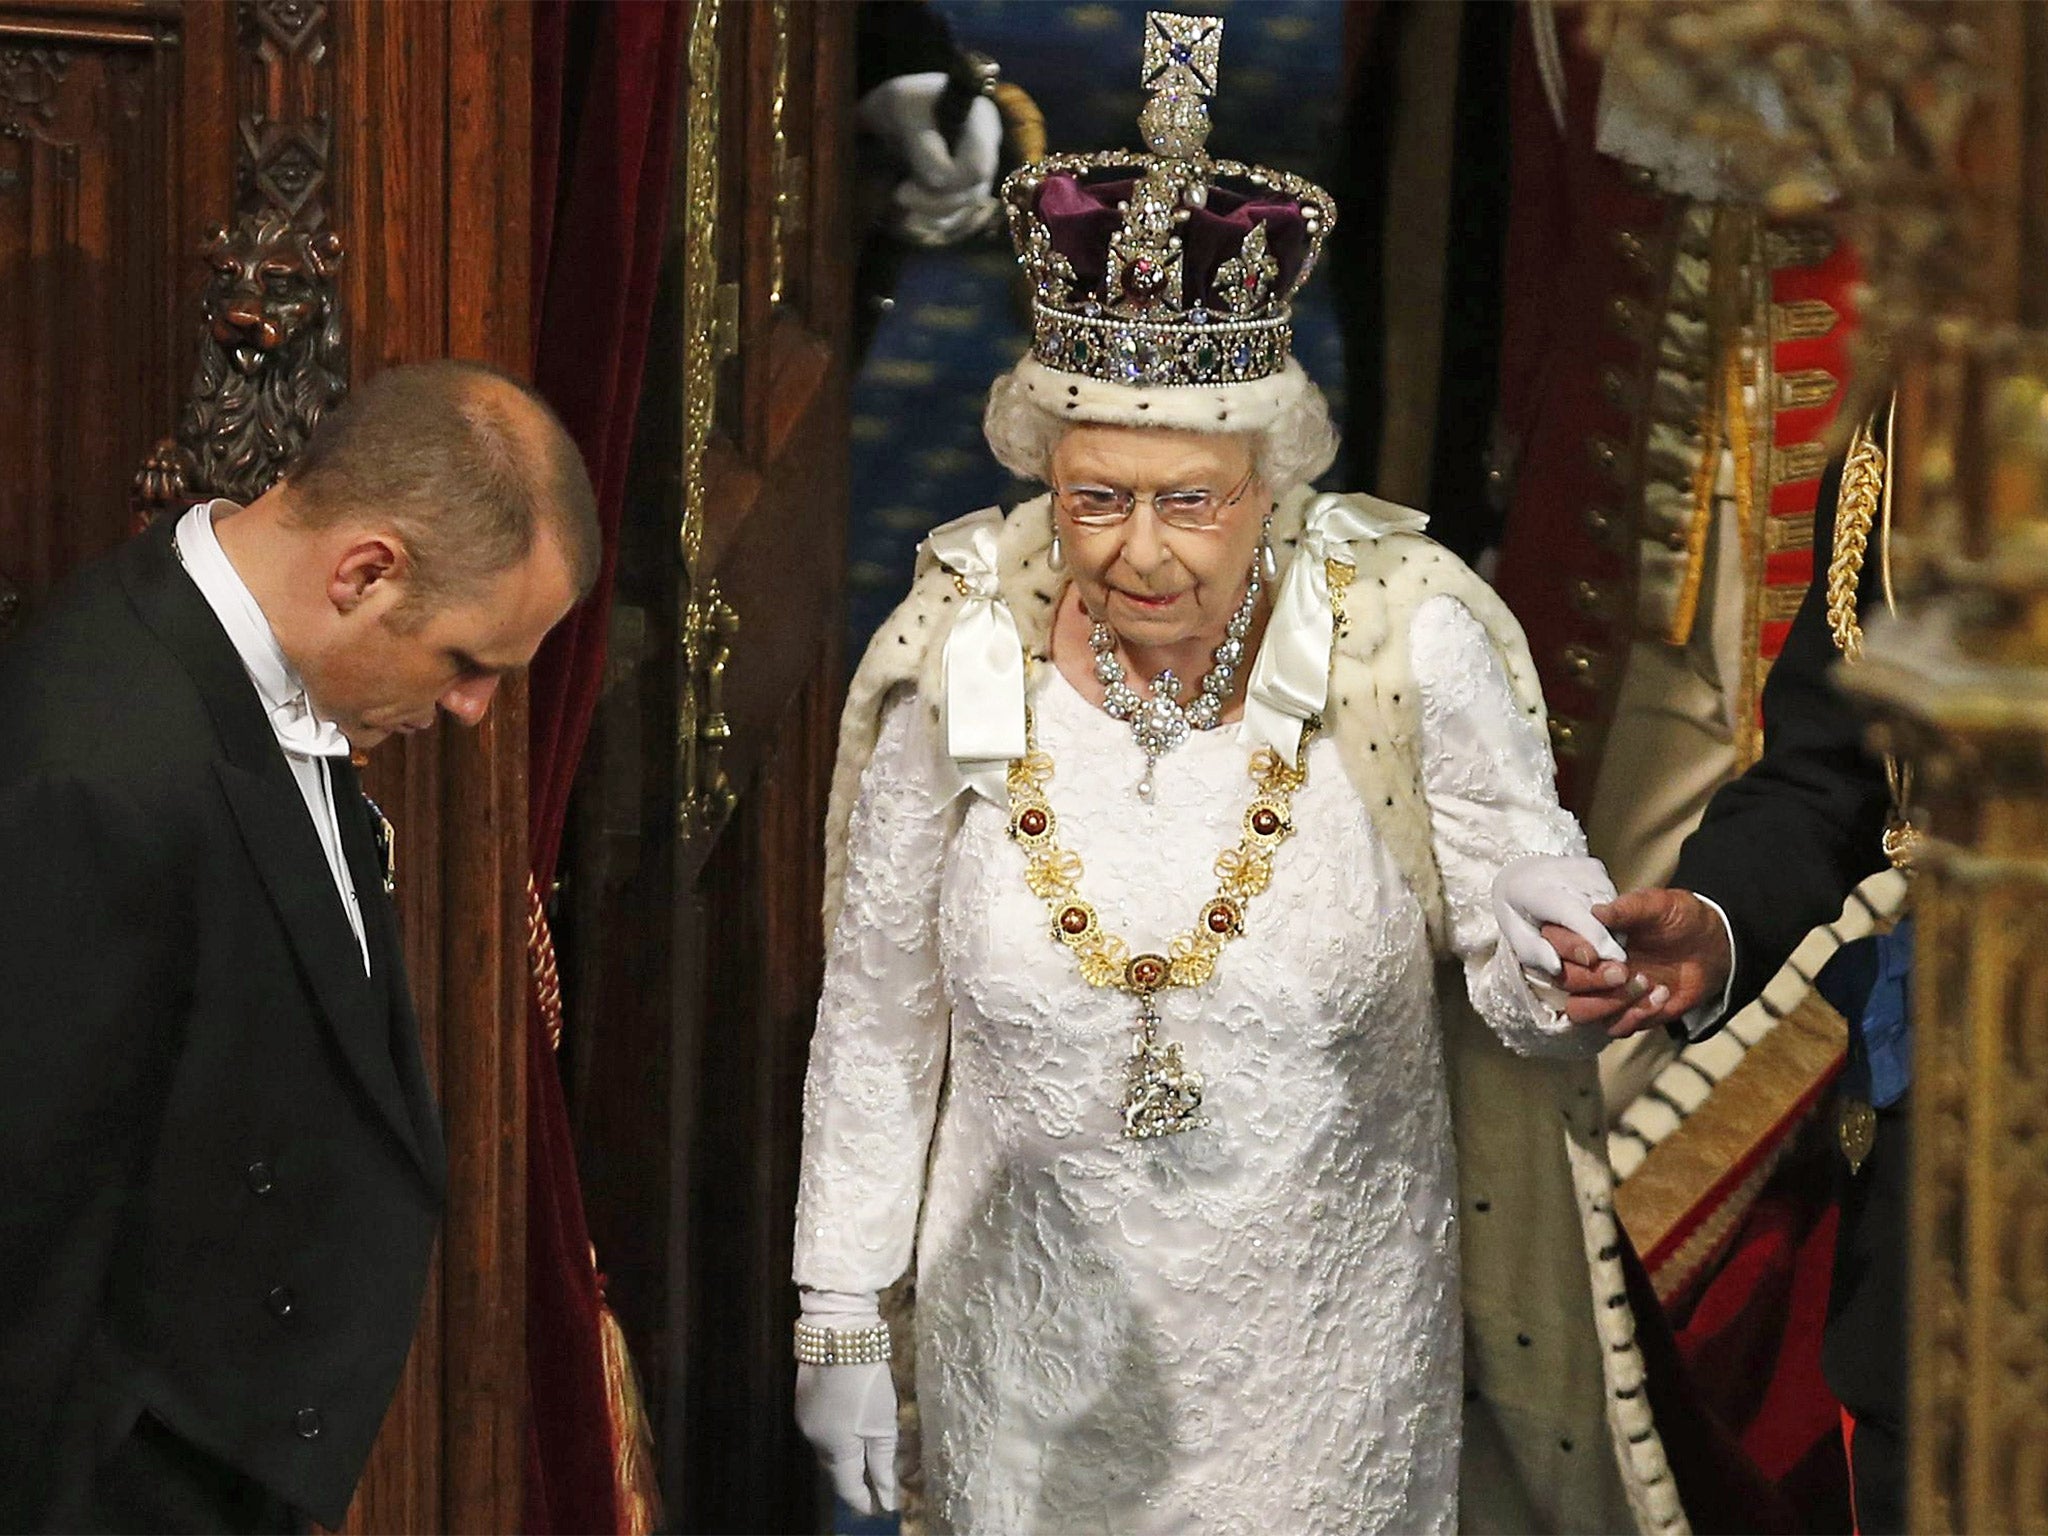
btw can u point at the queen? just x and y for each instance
(1190, 843)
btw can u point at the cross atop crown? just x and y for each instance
(1181, 52)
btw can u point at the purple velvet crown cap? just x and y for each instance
(1082, 217)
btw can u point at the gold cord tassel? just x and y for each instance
(540, 959)
(1856, 507)
(636, 1494)
(1859, 505)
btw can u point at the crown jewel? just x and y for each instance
(1169, 267)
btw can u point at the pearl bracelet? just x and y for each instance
(841, 1346)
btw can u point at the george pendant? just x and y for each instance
(1161, 1096)
(1145, 783)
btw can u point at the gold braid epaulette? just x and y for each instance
(1856, 512)
(1855, 515)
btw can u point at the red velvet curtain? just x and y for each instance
(606, 83)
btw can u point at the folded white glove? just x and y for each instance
(949, 194)
(848, 1412)
(900, 111)
(1545, 888)
(934, 219)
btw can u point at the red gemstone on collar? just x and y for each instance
(1147, 973)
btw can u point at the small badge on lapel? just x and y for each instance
(386, 840)
(1855, 1132)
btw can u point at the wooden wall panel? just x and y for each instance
(431, 192)
(390, 85)
(489, 190)
(89, 137)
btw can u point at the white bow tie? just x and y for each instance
(304, 734)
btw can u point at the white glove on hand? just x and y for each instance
(848, 1412)
(1549, 889)
(950, 193)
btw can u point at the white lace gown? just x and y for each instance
(1253, 1326)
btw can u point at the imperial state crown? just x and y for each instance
(1167, 268)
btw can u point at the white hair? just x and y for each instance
(1286, 416)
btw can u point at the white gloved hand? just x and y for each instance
(949, 195)
(1544, 888)
(933, 219)
(848, 1412)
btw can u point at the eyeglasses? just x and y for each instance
(1106, 506)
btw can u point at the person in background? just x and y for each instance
(1775, 855)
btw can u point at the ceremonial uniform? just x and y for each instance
(1779, 848)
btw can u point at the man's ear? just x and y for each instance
(368, 566)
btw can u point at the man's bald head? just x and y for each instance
(463, 463)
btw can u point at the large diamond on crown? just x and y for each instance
(1166, 267)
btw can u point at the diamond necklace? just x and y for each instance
(1162, 722)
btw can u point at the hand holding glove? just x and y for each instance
(848, 1412)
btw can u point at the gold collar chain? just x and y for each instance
(1162, 1096)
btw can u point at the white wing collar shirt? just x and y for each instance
(308, 741)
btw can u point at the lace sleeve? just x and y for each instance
(879, 1053)
(1489, 780)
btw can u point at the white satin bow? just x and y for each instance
(1291, 680)
(984, 658)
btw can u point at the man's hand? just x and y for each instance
(1678, 958)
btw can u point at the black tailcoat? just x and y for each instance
(221, 1167)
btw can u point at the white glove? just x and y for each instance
(848, 1412)
(950, 193)
(1543, 888)
(934, 219)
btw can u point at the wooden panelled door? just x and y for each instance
(128, 128)
(690, 925)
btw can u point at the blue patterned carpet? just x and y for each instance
(918, 454)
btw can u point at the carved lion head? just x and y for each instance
(271, 287)
(273, 358)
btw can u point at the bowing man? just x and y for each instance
(221, 1159)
